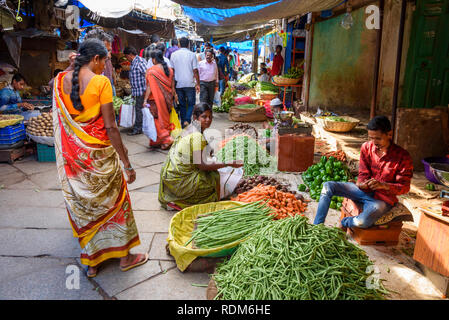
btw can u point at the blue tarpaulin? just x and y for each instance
(256, 14)
(213, 16)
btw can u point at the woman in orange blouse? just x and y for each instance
(88, 151)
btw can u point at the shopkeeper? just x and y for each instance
(10, 100)
(186, 179)
(385, 171)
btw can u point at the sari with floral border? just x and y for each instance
(93, 184)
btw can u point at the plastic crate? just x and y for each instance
(45, 153)
(12, 134)
(10, 130)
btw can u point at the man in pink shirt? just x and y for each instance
(208, 72)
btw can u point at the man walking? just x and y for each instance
(154, 41)
(223, 68)
(138, 85)
(208, 71)
(186, 73)
(174, 47)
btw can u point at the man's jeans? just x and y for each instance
(138, 105)
(187, 99)
(373, 209)
(222, 86)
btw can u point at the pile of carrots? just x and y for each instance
(340, 155)
(284, 204)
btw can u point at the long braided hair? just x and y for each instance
(159, 57)
(87, 51)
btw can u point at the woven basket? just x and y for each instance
(10, 122)
(336, 126)
(268, 96)
(285, 81)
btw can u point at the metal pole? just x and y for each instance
(398, 67)
(376, 61)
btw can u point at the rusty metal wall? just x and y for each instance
(342, 64)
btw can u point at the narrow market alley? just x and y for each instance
(39, 252)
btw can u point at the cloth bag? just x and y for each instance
(229, 178)
(148, 127)
(174, 120)
(127, 116)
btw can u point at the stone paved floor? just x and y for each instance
(38, 252)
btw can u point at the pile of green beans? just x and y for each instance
(290, 259)
(216, 229)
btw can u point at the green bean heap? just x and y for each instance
(290, 259)
(223, 227)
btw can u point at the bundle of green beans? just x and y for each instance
(216, 229)
(290, 259)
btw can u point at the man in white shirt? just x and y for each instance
(208, 71)
(160, 46)
(187, 79)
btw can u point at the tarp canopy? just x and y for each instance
(235, 33)
(134, 20)
(116, 8)
(257, 14)
(221, 4)
(240, 35)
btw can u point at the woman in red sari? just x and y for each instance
(159, 96)
(88, 151)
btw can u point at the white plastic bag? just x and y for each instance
(229, 178)
(217, 99)
(148, 127)
(127, 116)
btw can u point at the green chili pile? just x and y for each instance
(216, 229)
(290, 259)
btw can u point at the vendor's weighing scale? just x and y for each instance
(286, 126)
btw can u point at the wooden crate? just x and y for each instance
(431, 247)
(386, 234)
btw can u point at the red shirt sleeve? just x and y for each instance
(403, 177)
(364, 165)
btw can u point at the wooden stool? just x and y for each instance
(385, 234)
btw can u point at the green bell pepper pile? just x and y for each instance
(325, 170)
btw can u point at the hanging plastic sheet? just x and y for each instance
(257, 14)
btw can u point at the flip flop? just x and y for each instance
(91, 275)
(174, 206)
(136, 263)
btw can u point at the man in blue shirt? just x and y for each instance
(138, 85)
(223, 69)
(10, 100)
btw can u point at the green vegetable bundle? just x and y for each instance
(223, 227)
(116, 103)
(290, 259)
(266, 87)
(227, 100)
(248, 106)
(255, 158)
(325, 170)
(338, 119)
(252, 83)
(294, 73)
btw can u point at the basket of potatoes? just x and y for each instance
(40, 128)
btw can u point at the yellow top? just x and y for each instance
(97, 92)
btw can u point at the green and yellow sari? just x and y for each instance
(182, 183)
